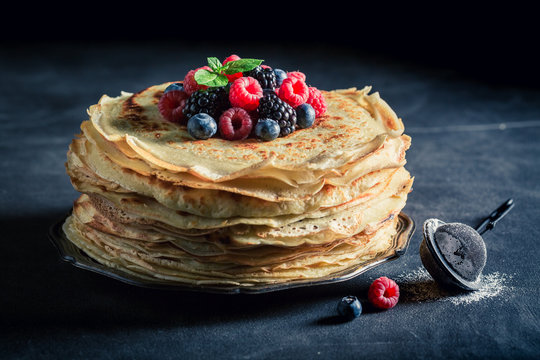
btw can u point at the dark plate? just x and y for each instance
(72, 254)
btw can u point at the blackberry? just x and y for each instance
(212, 102)
(272, 107)
(265, 76)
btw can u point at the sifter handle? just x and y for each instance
(490, 222)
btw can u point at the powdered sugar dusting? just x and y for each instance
(418, 286)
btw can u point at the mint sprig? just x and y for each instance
(216, 76)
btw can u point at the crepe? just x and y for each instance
(157, 204)
(86, 168)
(354, 119)
(177, 266)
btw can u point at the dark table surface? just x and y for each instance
(474, 144)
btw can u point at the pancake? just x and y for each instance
(157, 204)
(320, 228)
(179, 268)
(353, 120)
(213, 203)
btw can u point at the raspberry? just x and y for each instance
(235, 124)
(190, 85)
(238, 75)
(317, 101)
(297, 74)
(245, 93)
(171, 104)
(293, 91)
(384, 293)
(232, 57)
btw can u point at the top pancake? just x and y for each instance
(353, 120)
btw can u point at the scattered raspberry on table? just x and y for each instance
(383, 293)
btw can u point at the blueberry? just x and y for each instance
(305, 116)
(267, 129)
(349, 307)
(201, 126)
(175, 86)
(280, 76)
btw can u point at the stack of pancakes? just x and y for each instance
(157, 204)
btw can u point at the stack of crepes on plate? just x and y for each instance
(159, 205)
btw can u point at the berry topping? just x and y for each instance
(236, 75)
(245, 93)
(264, 75)
(297, 74)
(349, 307)
(267, 129)
(293, 91)
(174, 86)
(202, 126)
(305, 116)
(190, 85)
(243, 97)
(384, 293)
(171, 105)
(272, 107)
(316, 99)
(235, 124)
(212, 102)
(280, 76)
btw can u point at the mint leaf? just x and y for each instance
(220, 80)
(203, 76)
(216, 76)
(242, 65)
(210, 78)
(214, 63)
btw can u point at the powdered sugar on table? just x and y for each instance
(418, 285)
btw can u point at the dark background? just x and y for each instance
(496, 43)
(463, 78)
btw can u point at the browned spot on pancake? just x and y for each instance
(321, 119)
(328, 189)
(133, 118)
(337, 136)
(328, 122)
(130, 106)
(132, 201)
(263, 155)
(157, 135)
(247, 145)
(132, 112)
